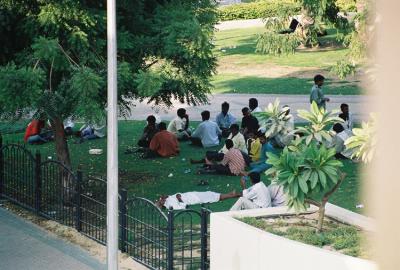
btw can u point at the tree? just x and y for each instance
(307, 170)
(278, 39)
(354, 34)
(53, 61)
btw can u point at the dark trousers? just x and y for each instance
(196, 141)
(214, 156)
(221, 169)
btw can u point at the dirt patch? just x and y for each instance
(73, 236)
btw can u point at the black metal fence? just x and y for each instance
(156, 239)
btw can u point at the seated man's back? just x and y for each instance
(164, 143)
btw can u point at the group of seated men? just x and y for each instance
(245, 145)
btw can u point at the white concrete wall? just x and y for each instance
(238, 246)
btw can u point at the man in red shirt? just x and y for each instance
(163, 144)
(32, 132)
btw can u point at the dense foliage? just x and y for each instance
(255, 10)
(307, 169)
(364, 140)
(53, 61)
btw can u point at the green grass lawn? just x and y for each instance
(231, 83)
(242, 70)
(149, 178)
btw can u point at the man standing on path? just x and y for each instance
(317, 95)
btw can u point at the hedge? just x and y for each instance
(269, 8)
(255, 10)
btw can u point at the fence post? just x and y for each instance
(1, 166)
(78, 201)
(204, 240)
(170, 240)
(123, 222)
(38, 188)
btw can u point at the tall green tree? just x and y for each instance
(53, 57)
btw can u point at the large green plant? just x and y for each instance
(363, 142)
(319, 120)
(274, 119)
(308, 171)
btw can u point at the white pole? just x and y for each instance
(112, 139)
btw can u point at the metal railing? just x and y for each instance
(159, 240)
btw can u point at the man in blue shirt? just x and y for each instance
(225, 119)
(207, 133)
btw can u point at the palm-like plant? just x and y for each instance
(274, 119)
(364, 141)
(319, 119)
(306, 168)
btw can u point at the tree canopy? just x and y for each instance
(53, 59)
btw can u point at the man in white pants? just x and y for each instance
(180, 201)
(256, 196)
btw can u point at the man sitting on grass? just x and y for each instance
(207, 133)
(249, 123)
(261, 165)
(182, 200)
(180, 125)
(217, 156)
(34, 132)
(225, 119)
(148, 133)
(232, 163)
(163, 144)
(256, 196)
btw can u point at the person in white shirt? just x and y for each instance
(346, 116)
(338, 142)
(207, 134)
(256, 196)
(278, 196)
(217, 156)
(68, 126)
(180, 125)
(285, 136)
(181, 201)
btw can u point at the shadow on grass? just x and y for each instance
(287, 85)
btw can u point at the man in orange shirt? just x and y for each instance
(163, 144)
(33, 132)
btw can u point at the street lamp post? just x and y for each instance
(112, 139)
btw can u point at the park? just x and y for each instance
(305, 63)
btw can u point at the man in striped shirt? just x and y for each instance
(232, 164)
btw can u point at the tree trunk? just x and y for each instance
(61, 142)
(321, 216)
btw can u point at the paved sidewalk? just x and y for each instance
(239, 24)
(358, 106)
(25, 246)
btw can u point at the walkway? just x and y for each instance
(358, 105)
(24, 245)
(239, 24)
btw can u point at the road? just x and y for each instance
(358, 106)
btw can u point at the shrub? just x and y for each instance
(346, 5)
(255, 10)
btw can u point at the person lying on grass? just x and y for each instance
(180, 201)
